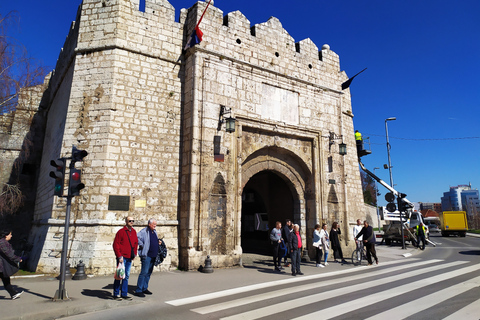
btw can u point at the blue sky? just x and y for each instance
(423, 60)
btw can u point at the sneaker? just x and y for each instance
(17, 295)
(321, 266)
(326, 263)
(147, 292)
(127, 298)
(294, 274)
(117, 298)
(278, 269)
(300, 273)
(287, 265)
(139, 294)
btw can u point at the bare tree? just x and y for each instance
(19, 74)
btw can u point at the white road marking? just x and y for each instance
(470, 312)
(229, 292)
(350, 306)
(300, 302)
(405, 310)
(316, 285)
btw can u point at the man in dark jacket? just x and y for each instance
(286, 231)
(369, 241)
(295, 245)
(125, 247)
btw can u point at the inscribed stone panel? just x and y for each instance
(279, 104)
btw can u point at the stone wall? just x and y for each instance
(148, 114)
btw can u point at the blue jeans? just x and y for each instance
(116, 283)
(147, 268)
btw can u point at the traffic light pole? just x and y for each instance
(61, 293)
(73, 190)
(401, 210)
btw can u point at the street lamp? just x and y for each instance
(391, 178)
(388, 150)
(376, 199)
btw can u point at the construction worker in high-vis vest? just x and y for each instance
(359, 140)
(421, 235)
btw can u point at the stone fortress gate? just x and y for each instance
(152, 118)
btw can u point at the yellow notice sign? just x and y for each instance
(140, 203)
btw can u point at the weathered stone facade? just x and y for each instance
(148, 114)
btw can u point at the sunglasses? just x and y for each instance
(131, 220)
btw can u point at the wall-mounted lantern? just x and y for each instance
(342, 147)
(229, 122)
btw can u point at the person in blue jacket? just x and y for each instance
(148, 247)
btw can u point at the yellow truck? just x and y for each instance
(454, 222)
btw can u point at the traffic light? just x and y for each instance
(75, 183)
(391, 207)
(78, 155)
(58, 175)
(403, 205)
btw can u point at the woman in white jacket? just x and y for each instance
(325, 242)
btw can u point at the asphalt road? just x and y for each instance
(442, 282)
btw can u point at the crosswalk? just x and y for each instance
(341, 294)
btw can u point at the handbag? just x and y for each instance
(120, 271)
(9, 267)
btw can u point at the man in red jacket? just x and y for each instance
(125, 247)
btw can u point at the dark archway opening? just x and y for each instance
(266, 198)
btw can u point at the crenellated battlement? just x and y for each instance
(121, 24)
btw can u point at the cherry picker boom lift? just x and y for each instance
(408, 212)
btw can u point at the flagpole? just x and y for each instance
(203, 14)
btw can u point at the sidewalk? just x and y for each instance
(95, 293)
(475, 235)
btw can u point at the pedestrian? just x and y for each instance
(317, 243)
(276, 239)
(325, 243)
(295, 245)
(359, 140)
(125, 248)
(335, 243)
(8, 263)
(369, 241)
(421, 235)
(148, 247)
(286, 231)
(359, 243)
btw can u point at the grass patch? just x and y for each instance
(24, 273)
(477, 231)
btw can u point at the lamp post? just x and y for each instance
(376, 201)
(391, 178)
(388, 150)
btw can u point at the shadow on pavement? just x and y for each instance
(471, 252)
(102, 294)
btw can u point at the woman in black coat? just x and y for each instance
(7, 256)
(335, 243)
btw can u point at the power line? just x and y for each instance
(414, 139)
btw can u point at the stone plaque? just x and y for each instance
(279, 104)
(118, 203)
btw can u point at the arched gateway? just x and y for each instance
(276, 185)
